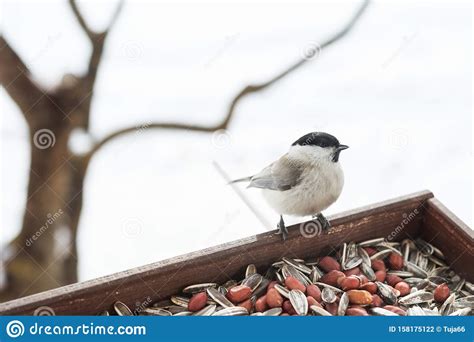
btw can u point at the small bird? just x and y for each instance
(304, 181)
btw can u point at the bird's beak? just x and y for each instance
(342, 147)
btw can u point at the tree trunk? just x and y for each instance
(37, 256)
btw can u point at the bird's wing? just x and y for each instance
(281, 175)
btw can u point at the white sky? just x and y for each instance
(397, 90)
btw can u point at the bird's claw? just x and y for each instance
(282, 229)
(325, 225)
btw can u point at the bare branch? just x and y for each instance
(16, 79)
(95, 37)
(90, 33)
(134, 129)
(224, 124)
(250, 89)
(115, 16)
(97, 40)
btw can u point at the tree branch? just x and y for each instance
(16, 79)
(97, 39)
(87, 81)
(87, 30)
(224, 124)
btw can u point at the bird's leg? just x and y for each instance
(324, 222)
(282, 228)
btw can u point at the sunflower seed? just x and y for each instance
(282, 290)
(299, 302)
(343, 253)
(252, 281)
(206, 311)
(417, 297)
(465, 302)
(251, 269)
(447, 307)
(381, 255)
(288, 270)
(416, 270)
(232, 311)
(315, 274)
(219, 298)
(364, 255)
(324, 285)
(121, 309)
(368, 271)
(299, 266)
(424, 247)
(155, 312)
(370, 243)
(352, 263)
(191, 289)
(174, 309)
(180, 300)
(461, 312)
(382, 312)
(328, 295)
(272, 312)
(343, 304)
(386, 292)
(401, 274)
(415, 311)
(319, 311)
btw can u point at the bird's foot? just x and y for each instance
(282, 229)
(325, 225)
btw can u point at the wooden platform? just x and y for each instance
(415, 215)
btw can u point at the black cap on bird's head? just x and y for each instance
(323, 140)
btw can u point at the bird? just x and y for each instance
(304, 181)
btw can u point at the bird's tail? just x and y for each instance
(244, 179)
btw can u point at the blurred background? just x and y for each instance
(396, 89)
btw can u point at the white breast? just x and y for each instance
(320, 186)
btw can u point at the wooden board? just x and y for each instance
(406, 216)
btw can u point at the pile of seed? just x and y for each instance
(373, 277)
